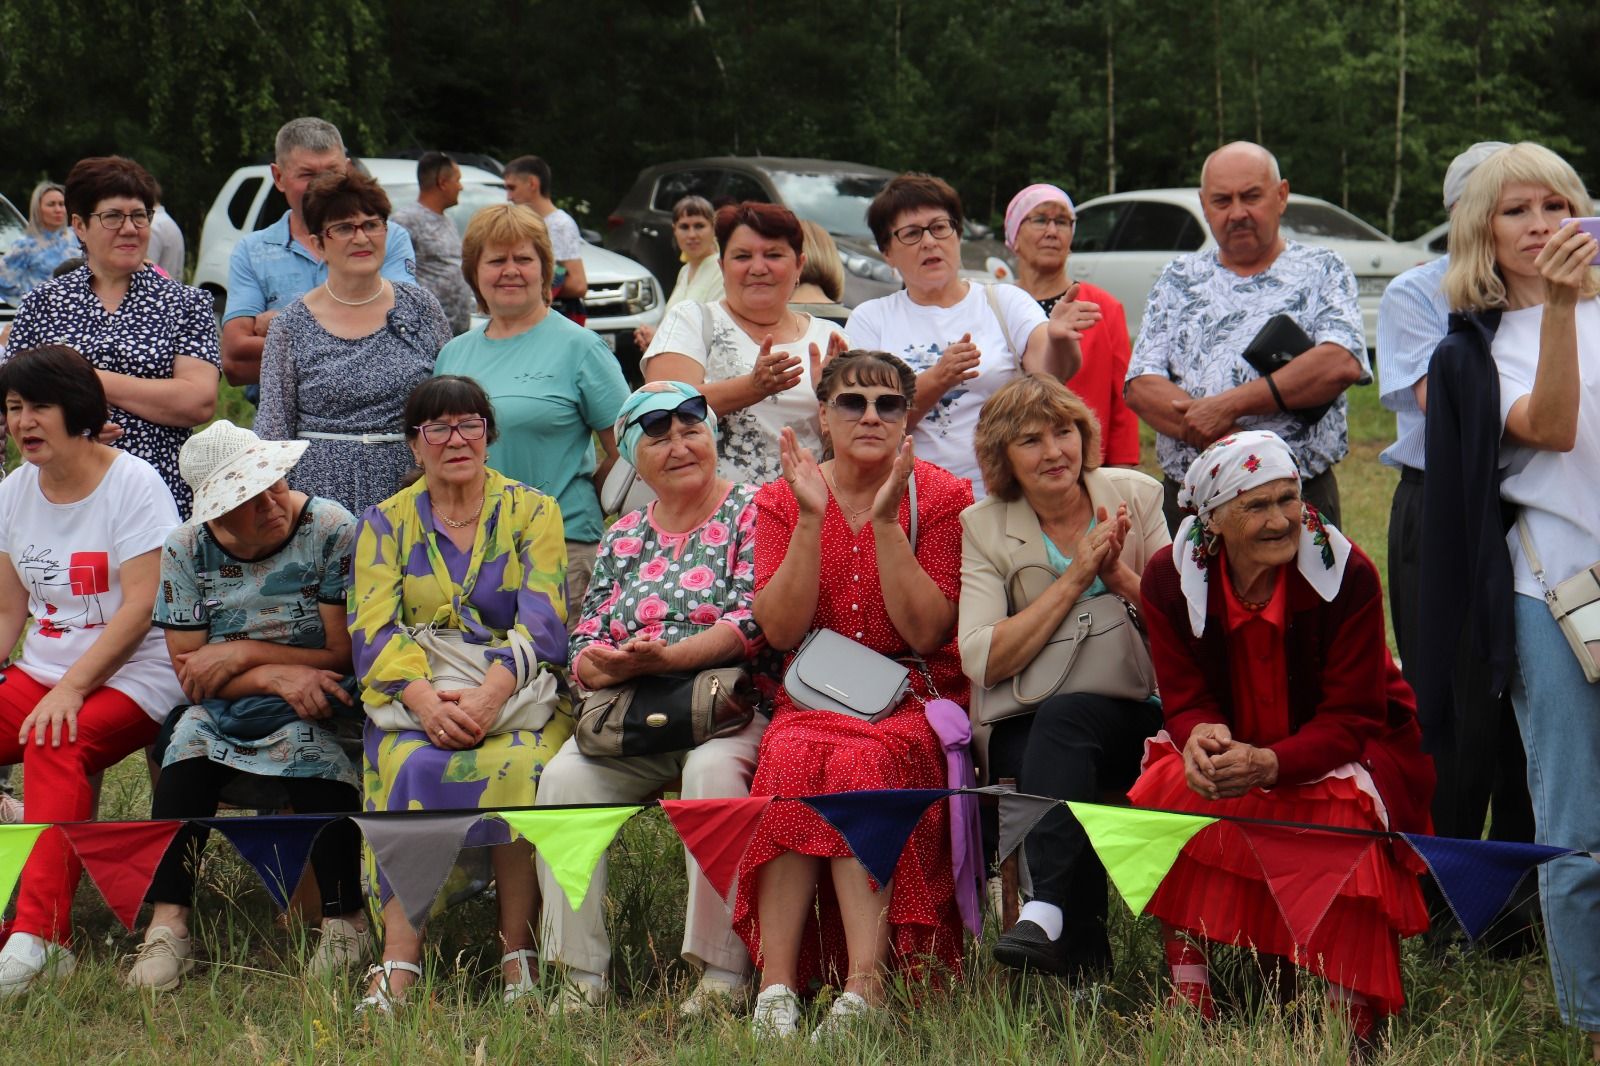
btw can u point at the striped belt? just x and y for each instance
(361, 438)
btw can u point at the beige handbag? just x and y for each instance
(1099, 647)
(1575, 603)
(454, 663)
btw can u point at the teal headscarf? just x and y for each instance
(656, 396)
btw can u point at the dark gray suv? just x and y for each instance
(832, 194)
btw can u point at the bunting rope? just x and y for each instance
(1137, 845)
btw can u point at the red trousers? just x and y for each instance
(56, 789)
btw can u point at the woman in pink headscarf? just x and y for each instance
(1039, 225)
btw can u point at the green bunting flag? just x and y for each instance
(1137, 847)
(570, 840)
(16, 841)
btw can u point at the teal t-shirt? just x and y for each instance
(550, 386)
(1059, 562)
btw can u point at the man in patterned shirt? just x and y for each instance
(436, 239)
(1188, 377)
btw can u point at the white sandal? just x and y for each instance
(525, 985)
(381, 1000)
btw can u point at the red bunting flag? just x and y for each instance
(717, 832)
(121, 858)
(1305, 869)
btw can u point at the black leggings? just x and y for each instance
(193, 789)
(1074, 747)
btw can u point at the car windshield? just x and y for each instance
(836, 202)
(1313, 221)
(474, 197)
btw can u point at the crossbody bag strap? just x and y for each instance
(991, 293)
(911, 496)
(706, 328)
(1532, 556)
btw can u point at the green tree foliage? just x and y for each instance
(991, 95)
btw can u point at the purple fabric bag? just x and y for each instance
(949, 721)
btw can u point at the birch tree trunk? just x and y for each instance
(1111, 96)
(1216, 60)
(1399, 117)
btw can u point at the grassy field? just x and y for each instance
(246, 1002)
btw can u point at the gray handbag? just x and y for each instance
(831, 672)
(1099, 647)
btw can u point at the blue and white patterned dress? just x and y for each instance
(31, 260)
(1201, 317)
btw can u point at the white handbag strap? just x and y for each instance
(911, 492)
(1532, 556)
(991, 292)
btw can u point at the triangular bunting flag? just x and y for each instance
(16, 842)
(276, 847)
(571, 840)
(121, 859)
(716, 832)
(1477, 877)
(416, 853)
(876, 823)
(1305, 870)
(1136, 847)
(1018, 815)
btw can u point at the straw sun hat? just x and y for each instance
(227, 465)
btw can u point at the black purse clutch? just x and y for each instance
(666, 712)
(1273, 348)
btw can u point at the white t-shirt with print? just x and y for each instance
(69, 556)
(919, 334)
(566, 239)
(747, 443)
(1555, 489)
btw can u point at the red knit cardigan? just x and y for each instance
(1347, 699)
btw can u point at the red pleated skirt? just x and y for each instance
(809, 753)
(1216, 889)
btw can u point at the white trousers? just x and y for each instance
(716, 769)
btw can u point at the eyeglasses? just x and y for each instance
(691, 412)
(939, 227)
(343, 231)
(439, 432)
(1042, 222)
(852, 406)
(113, 220)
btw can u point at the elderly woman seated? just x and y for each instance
(1055, 531)
(834, 550)
(464, 558)
(671, 594)
(1281, 702)
(252, 605)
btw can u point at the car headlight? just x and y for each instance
(639, 296)
(873, 269)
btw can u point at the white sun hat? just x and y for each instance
(226, 465)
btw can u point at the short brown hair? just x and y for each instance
(103, 176)
(1025, 403)
(449, 394)
(862, 366)
(58, 374)
(907, 193)
(694, 205)
(772, 221)
(823, 267)
(509, 225)
(335, 196)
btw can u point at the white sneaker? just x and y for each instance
(581, 992)
(10, 809)
(163, 959)
(340, 945)
(714, 994)
(27, 957)
(847, 1010)
(777, 1014)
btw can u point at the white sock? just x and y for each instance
(717, 975)
(1046, 916)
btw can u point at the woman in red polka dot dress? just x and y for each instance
(833, 550)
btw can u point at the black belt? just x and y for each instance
(1410, 475)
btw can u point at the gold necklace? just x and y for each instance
(853, 512)
(352, 303)
(786, 320)
(477, 509)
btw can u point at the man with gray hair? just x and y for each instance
(273, 267)
(1188, 377)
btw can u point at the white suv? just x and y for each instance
(622, 294)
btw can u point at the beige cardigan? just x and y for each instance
(998, 537)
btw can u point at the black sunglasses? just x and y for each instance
(852, 406)
(690, 412)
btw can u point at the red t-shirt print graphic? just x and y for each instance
(88, 575)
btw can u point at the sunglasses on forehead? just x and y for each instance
(690, 412)
(852, 406)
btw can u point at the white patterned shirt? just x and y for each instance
(1201, 317)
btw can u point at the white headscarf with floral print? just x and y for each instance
(1229, 468)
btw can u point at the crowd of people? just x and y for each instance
(402, 591)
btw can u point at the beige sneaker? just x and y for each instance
(162, 960)
(581, 993)
(714, 995)
(340, 945)
(10, 809)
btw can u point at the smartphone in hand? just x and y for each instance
(1591, 226)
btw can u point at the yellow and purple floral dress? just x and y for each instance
(409, 573)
